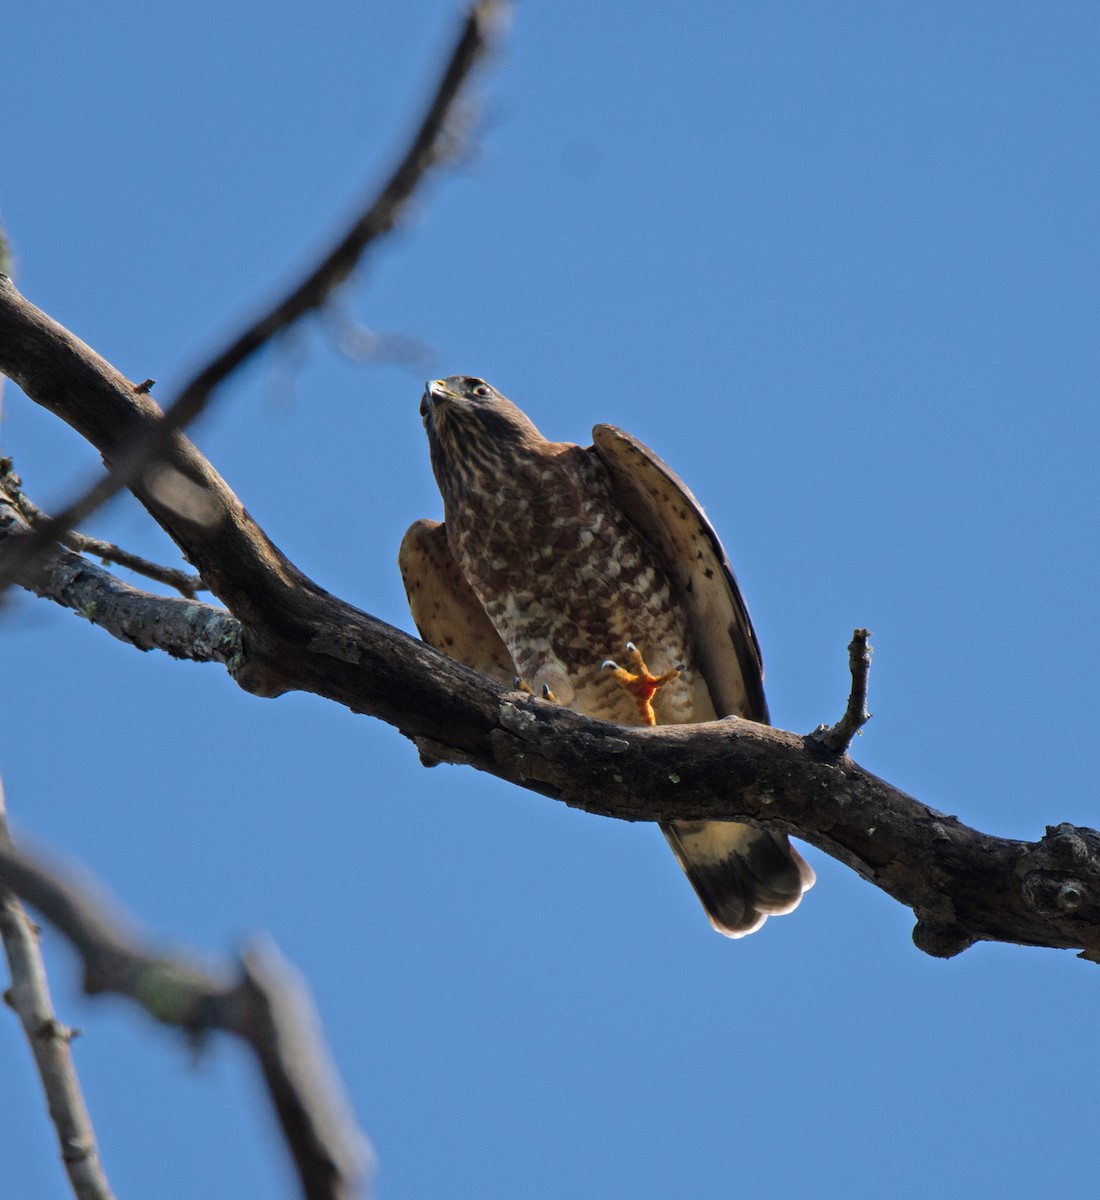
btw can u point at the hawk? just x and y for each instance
(592, 577)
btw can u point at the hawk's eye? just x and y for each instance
(481, 390)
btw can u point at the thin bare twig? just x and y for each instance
(184, 582)
(48, 1038)
(180, 627)
(428, 147)
(266, 1005)
(837, 738)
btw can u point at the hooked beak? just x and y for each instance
(435, 391)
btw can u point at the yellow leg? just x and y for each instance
(639, 682)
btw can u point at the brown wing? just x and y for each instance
(673, 522)
(741, 874)
(444, 606)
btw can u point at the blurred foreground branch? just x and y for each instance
(262, 1002)
(266, 1005)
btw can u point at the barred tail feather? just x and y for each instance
(741, 874)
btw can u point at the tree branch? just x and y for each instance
(131, 457)
(266, 1006)
(49, 1039)
(182, 581)
(963, 885)
(837, 738)
(179, 627)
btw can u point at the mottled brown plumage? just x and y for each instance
(551, 559)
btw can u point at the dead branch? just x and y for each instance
(184, 582)
(179, 627)
(11, 486)
(837, 738)
(963, 885)
(262, 1002)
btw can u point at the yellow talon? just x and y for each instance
(640, 683)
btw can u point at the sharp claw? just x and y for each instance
(640, 683)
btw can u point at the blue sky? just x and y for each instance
(837, 263)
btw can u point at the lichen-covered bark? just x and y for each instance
(182, 628)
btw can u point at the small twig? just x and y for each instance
(429, 145)
(180, 627)
(266, 1006)
(48, 1038)
(184, 582)
(837, 738)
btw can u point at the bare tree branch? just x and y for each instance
(837, 738)
(48, 1038)
(181, 628)
(963, 885)
(130, 458)
(182, 581)
(266, 1005)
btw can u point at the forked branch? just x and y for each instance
(180, 627)
(963, 885)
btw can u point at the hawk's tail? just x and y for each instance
(742, 874)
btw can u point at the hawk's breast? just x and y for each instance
(568, 581)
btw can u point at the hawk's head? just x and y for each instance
(473, 431)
